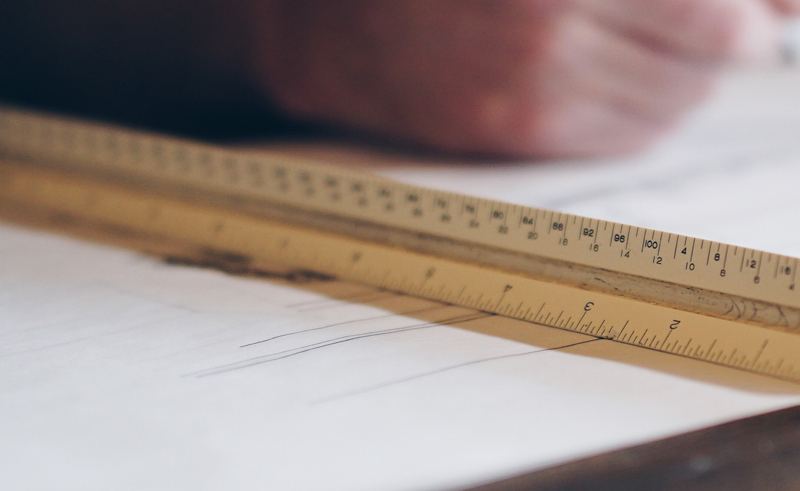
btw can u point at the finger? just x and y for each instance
(591, 88)
(704, 30)
(605, 65)
(586, 128)
(787, 7)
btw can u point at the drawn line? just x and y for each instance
(280, 355)
(343, 323)
(447, 369)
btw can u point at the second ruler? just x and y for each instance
(676, 294)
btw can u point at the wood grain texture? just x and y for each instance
(757, 453)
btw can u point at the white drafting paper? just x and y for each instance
(122, 372)
(119, 371)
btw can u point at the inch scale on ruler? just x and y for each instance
(705, 300)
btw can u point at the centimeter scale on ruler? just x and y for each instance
(706, 300)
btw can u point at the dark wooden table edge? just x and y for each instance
(757, 453)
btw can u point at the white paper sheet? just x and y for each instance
(118, 371)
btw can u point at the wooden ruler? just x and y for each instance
(681, 295)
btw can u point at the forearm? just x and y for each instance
(512, 78)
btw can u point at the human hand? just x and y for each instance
(518, 78)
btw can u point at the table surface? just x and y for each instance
(761, 452)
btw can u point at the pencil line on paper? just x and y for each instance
(280, 355)
(410, 312)
(447, 369)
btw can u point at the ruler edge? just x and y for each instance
(752, 304)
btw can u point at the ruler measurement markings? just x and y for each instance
(523, 218)
(675, 252)
(539, 311)
(725, 262)
(521, 212)
(731, 356)
(744, 255)
(215, 166)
